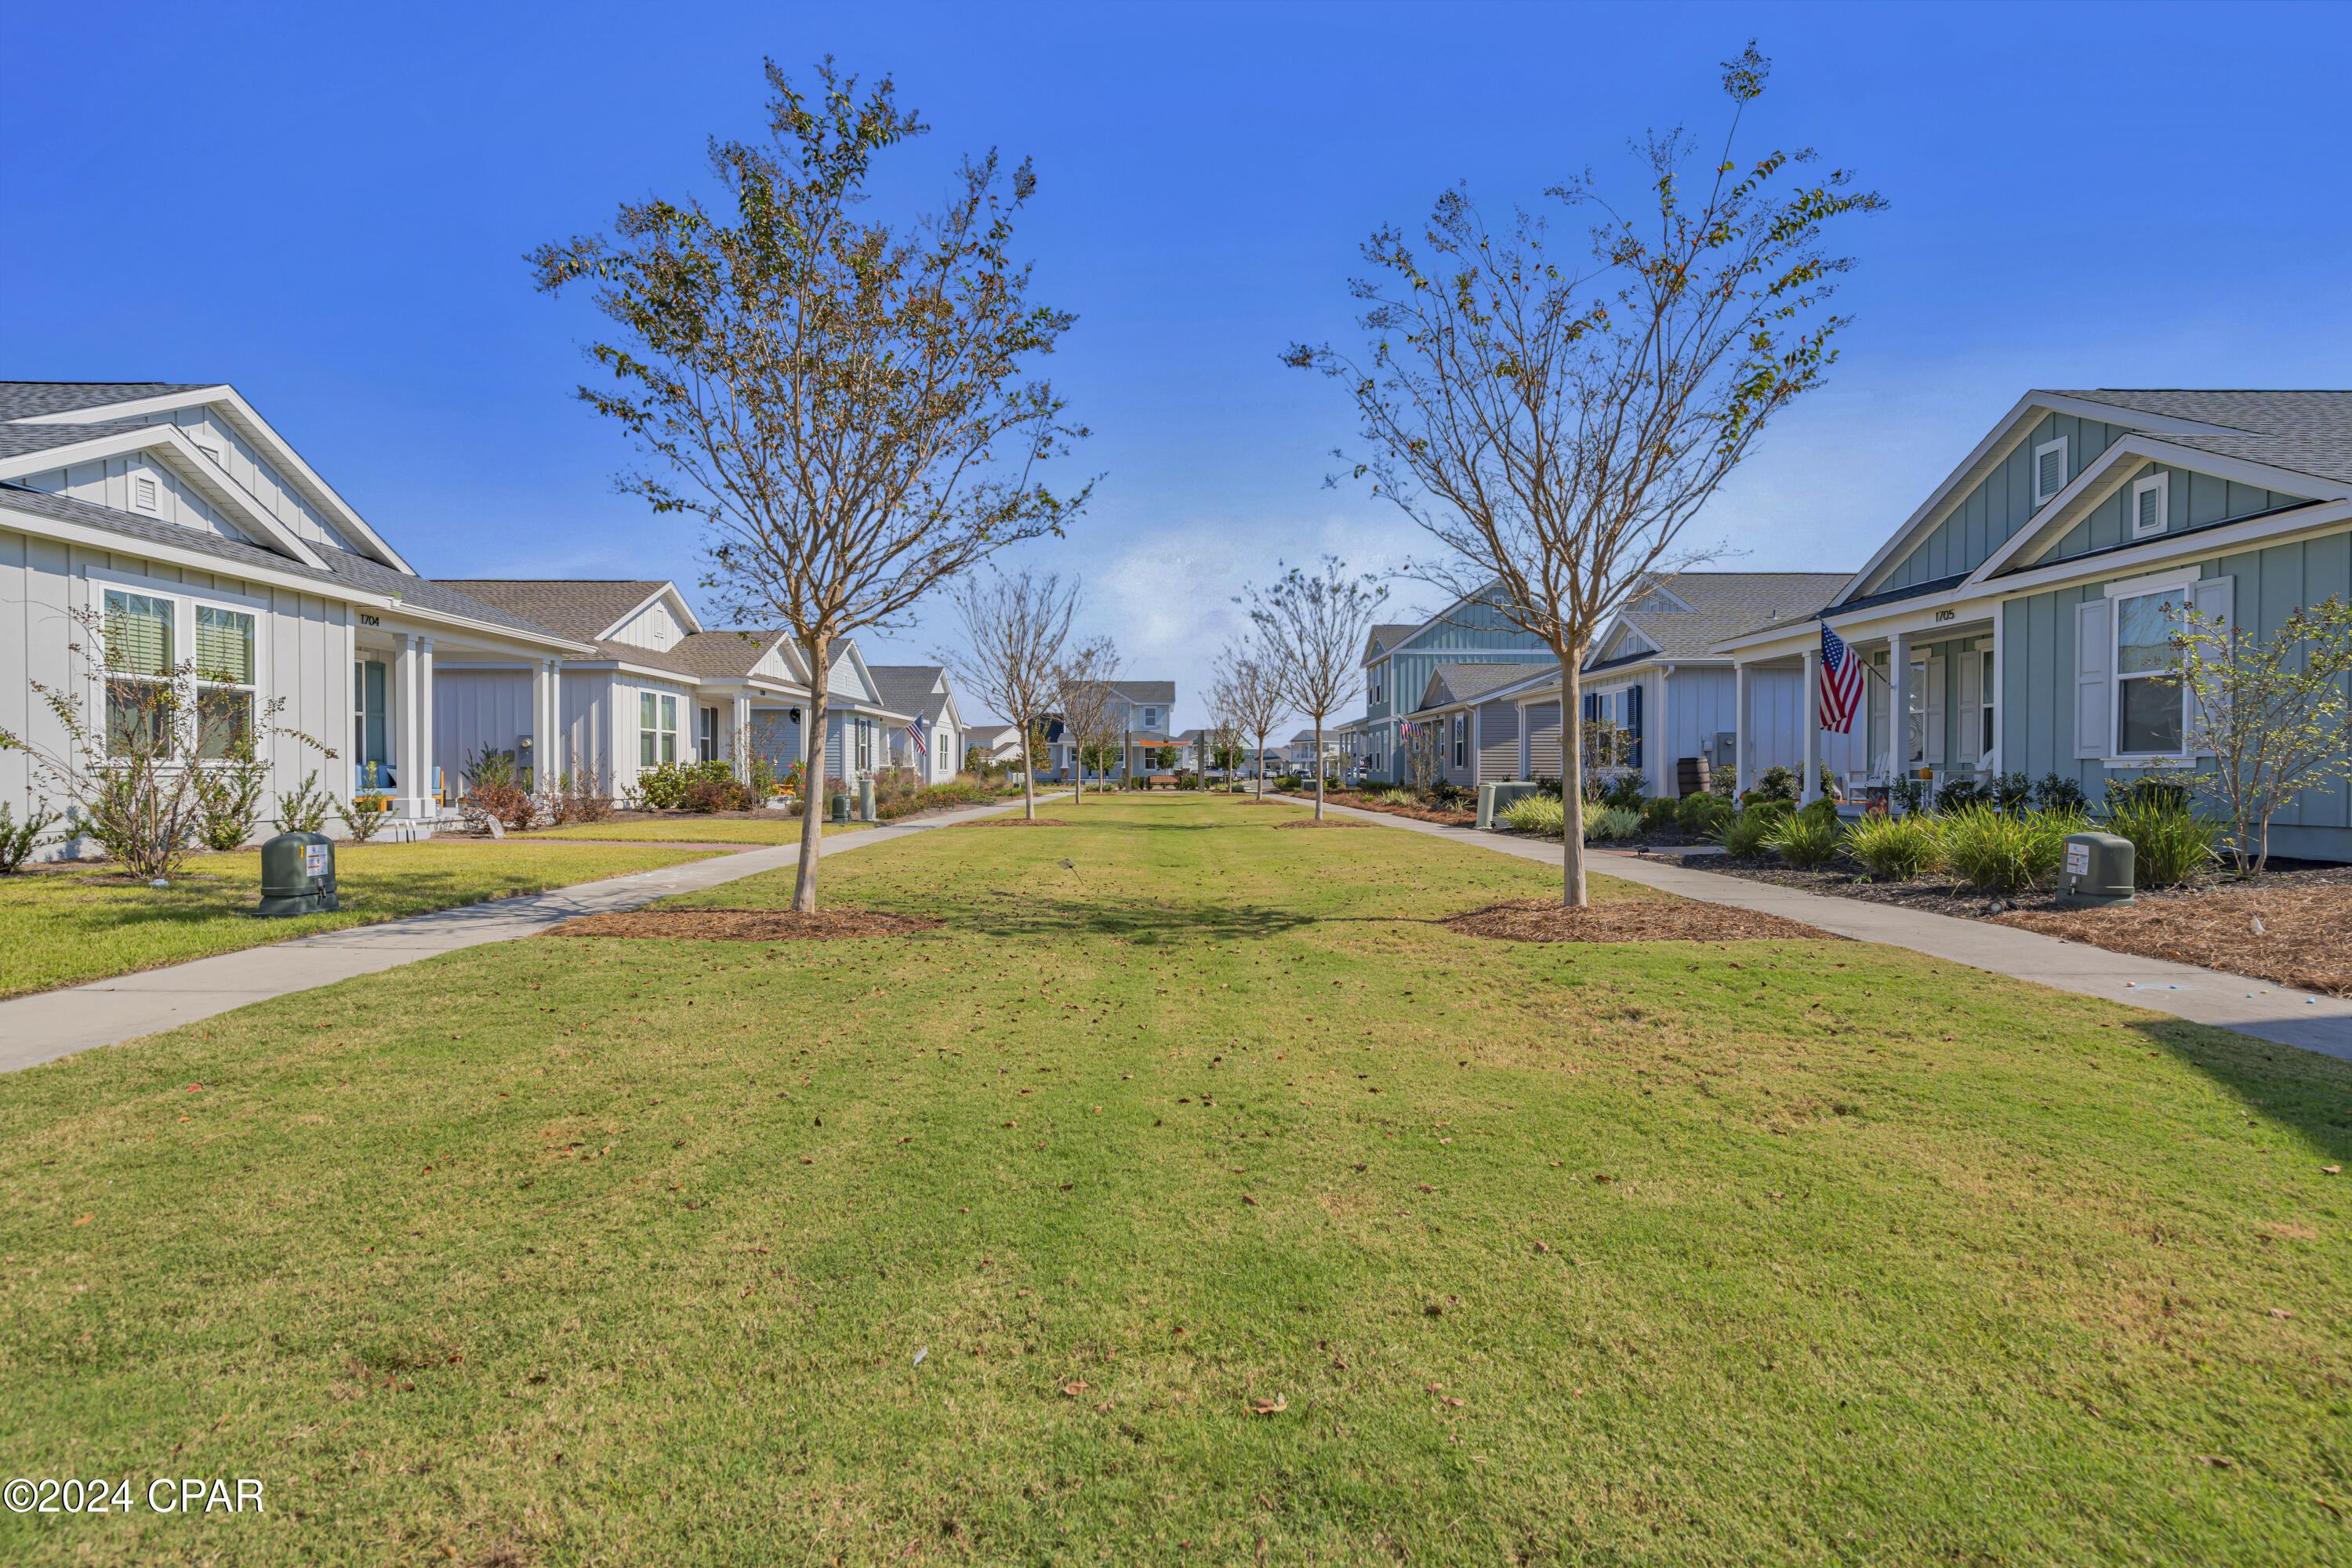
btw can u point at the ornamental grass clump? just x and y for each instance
(1894, 848)
(2170, 841)
(1996, 853)
(1743, 835)
(1535, 814)
(1611, 821)
(1804, 840)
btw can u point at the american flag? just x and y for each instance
(1840, 682)
(915, 733)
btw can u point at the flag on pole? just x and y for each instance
(1840, 682)
(915, 733)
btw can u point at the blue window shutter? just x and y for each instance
(1633, 723)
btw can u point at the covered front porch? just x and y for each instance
(421, 714)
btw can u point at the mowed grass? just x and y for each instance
(62, 928)
(696, 830)
(990, 1245)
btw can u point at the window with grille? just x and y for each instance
(225, 688)
(2149, 698)
(140, 633)
(2049, 469)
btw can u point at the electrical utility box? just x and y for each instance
(2096, 871)
(298, 875)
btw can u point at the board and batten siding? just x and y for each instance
(303, 658)
(1700, 704)
(2039, 662)
(478, 709)
(1986, 517)
(2192, 501)
(1774, 733)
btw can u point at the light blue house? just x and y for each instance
(2018, 619)
(1399, 660)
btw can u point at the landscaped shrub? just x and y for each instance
(1624, 792)
(1823, 810)
(1910, 795)
(1535, 814)
(1701, 812)
(1896, 849)
(365, 816)
(1778, 783)
(1957, 794)
(1658, 813)
(1996, 853)
(19, 839)
(1445, 797)
(2056, 792)
(304, 809)
(1611, 821)
(2012, 791)
(958, 791)
(1804, 840)
(1392, 797)
(228, 799)
(2170, 842)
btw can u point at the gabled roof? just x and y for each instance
(343, 569)
(1451, 683)
(726, 654)
(1722, 605)
(31, 399)
(1385, 637)
(16, 440)
(585, 608)
(912, 689)
(2305, 432)
(1158, 693)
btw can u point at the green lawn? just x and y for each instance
(984, 1245)
(699, 830)
(62, 928)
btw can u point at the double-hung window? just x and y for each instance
(2150, 702)
(706, 735)
(865, 744)
(1461, 741)
(224, 690)
(141, 636)
(657, 729)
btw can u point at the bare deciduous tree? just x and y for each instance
(1554, 420)
(1312, 626)
(1248, 687)
(1089, 702)
(845, 406)
(1015, 630)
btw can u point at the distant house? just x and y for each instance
(2018, 620)
(1399, 658)
(923, 691)
(999, 744)
(1141, 715)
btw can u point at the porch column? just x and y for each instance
(1740, 768)
(1813, 789)
(426, 723)
(1527, 755)
(742, 742)
(543, 765)
(407, 747)
(1899, 703)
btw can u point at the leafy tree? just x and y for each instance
(2270, 711)
(847, 407)
(1554, 416)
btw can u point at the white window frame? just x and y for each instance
(1987, 705)
(2162, 485)
(2040, 496)
(184, 600)
(660, 737)
(2182, 586)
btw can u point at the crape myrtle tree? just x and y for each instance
(1312, 626)
(849, 408)
(1553, 415)
(1090, 706)
(2271, 712)
(1015, 630)
(1248, 687)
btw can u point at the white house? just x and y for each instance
(177, 509)
(922, 691)
(1141, 711)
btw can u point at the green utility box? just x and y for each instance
(841, 809)
(1494, 799)
(298, 875)
(2096, 871)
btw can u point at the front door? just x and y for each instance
(371, 739)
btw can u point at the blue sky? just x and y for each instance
(329, 207)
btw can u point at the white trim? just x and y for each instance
(2182, 580)
(2310, 521)
(2159, 518)
(667, 591)
(2041, 497)
(209, 481)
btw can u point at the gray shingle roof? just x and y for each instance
(1386, 636)
(16, 440)
(345, 570)
(1468, 682)
(1725, 603)
(2306, 432)
(907, 689)
(579, 607)
(1158, 693)
(25, 399)
(730, 651)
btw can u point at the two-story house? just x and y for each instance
(2018, 621)
(1141, 714)
(1398, 659)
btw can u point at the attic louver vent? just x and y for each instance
(2049, 470)
(2147, 508)
(2147, 522)
(143, 492)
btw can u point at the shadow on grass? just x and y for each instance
(1147, 924)
(2285, 1084)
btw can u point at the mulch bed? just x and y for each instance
(1632, 920)
(2305, 940)
(1418, 813)
(1019, 822)
(1310, 822)
(744, 925)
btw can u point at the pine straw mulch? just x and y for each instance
(1631, 920)
(1418, 813)
(1018, 822)
(743, 925)
(2306, 942)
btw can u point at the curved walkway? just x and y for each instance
(2226, 1001)
(108, 1011)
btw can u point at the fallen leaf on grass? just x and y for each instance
(1074, 1388)
(1449, 1399)
(1543, 1247)
(2281, 1313)
(2332, 1170)
(2216, 1460)
(86, 1219)
(1274, 1407)
(1427, 1188)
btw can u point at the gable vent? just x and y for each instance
(2049, 469)
(2148, 507)
(143, 492)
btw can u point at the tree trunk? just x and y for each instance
(1319, 767)
(812, 778)
(1571, 780)
(1028, 775)
(1260, 768)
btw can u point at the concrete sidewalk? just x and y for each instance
(108, 1011)
(2260, 1007)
